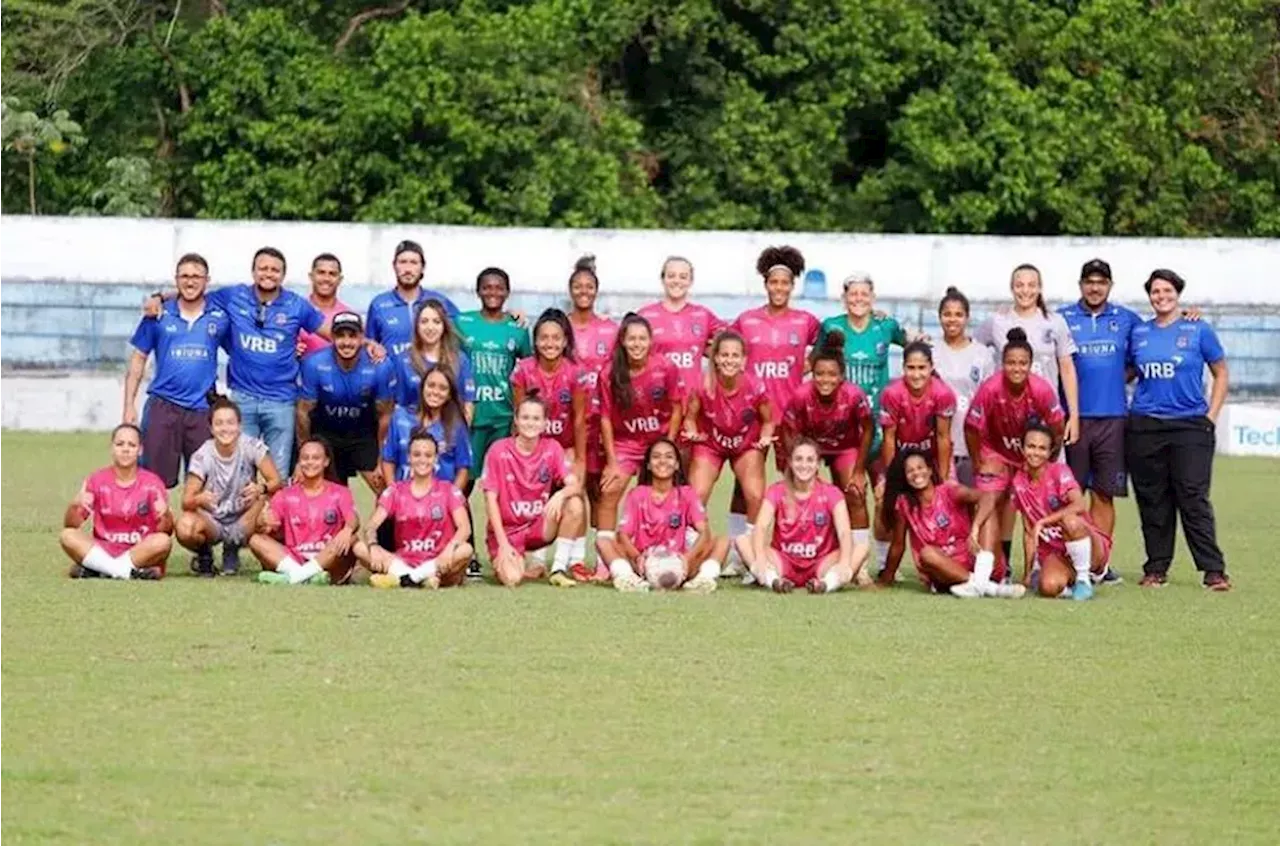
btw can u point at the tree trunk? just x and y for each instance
(31, 180)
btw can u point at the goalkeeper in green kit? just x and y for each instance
(867, 337)
(495, 341)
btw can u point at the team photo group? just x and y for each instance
(1024, 426)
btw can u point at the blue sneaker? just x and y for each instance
(230, 559)
(1082, 590)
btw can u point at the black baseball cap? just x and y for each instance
(1096, 267)
(346, 321)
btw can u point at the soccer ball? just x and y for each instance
(664, 570)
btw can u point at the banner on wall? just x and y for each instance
(1249, 430)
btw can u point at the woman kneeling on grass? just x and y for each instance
(132, 525)
(315, 518)
(430, 527)
(1059, 533)
(802, 536)
(533, 501)
(952, 552)
(663, 540)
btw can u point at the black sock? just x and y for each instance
(1007, 548)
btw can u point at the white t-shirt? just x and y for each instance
(1049, 337)
(963, 370)
(226, 477)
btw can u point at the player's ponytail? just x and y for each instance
(1016, 340)
(619, 366)
(585, 266)
(954, 295)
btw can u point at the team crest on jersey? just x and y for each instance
(658, 393)
(144, 508)
(544, 474)
(1033, 419)
(330, 517)
(213, 329)
(1047, 336)
(673, 521)
(1114, 326)
(697, 328)
(601, 348)
(748, 416)
(820, 519)
(942, 520)
(281, 319)
(1182, 342)
(881, 348)
(975, 374)
(565, 396)
(793, 339)
(511, 344)
(1054, 502)
(437, 513)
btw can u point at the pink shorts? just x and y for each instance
(629, 455)
(1059, 547)
(998, 482)
(841, 461)
(712, 453)
(523, 539)
(798, 571)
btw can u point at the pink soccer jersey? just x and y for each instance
(651, 522)
(682, 335)
(776, 346)
(915, 419)
(312, 342)
(1002, 418)
(423, 524)
(593, 346)
(944, 523)
(656, 393)
(1037, 499)
(523, 482)
(124, 514)
(731, 421)
(837, 425)
(805, 528)
(310, 522)
(556, 390)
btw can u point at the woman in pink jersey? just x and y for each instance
(729, 418)
(1058, 532)
(553, 375)
(640, 401)
(681, 329)
(952, 552)
(802, 536)
(132, 525)
(306, 534)
(1001, 411)
(534, 501)
(663, 516)
(430, 523)
(835, 414)
(593, 340)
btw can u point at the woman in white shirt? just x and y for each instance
(963, 364)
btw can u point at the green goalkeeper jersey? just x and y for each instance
(494, 347)
(866, 355)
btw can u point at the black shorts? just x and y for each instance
(1097, 459)
(352, 452)
(170, 434)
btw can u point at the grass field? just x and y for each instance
(227, 712)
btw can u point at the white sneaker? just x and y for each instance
(699, 585)
(634, 584)
(748, 578)
(1002, 591)
(967, 590)
(733, 566)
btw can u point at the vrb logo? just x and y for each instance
(258, 344)
(801, 550)
(683, 360)
(643, 425)
(1012, 444)
(527, 509)
(1156, 370)
(773, 369)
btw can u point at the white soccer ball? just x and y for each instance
(664, 571)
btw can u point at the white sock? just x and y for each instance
(621, 570)
(770, 579)
(287, 566)
(882, 554)
(578, 550)
(560, 564)
(832, 581)
(125, 561)
(690, 537)
(861, 536)
(305, 571)
(1081, 553)
(709, 571)
(424, 571)
(399, 568)
(737, 525)
(99, 561)
(983, 566)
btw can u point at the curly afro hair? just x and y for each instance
(789, 257)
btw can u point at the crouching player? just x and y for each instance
(534, 501)
(1059, 533)
(802, 536)
(316, 520)
(663, 519)
(952, 552)
(430, 526)
(131, 521)
(223, 497)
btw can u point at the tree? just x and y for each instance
(27, 134)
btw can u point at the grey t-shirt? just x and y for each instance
(226, 477)
(963, 370)
(1049, 337)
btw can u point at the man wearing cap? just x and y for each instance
(1100, 329)
(347, 398)
(392, 313)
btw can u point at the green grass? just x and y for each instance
(226, 712)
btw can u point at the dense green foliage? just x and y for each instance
(1155, 117)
